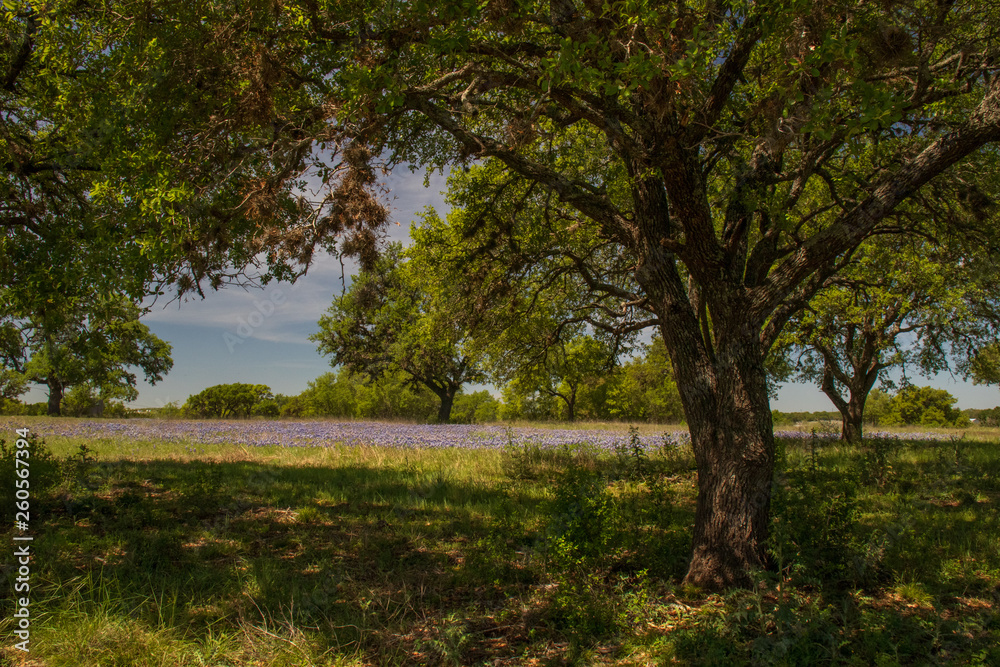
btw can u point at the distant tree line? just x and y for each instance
(632, 392)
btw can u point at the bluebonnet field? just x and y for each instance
(422, 436)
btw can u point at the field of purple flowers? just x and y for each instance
(381, 434)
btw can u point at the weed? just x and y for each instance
(630, 456)
(875, 467)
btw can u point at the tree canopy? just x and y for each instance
(238, 399)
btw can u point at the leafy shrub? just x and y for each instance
(268, 408)
(47, 471)
(874, 467)
(631, 459)
(329, 395)
(925, 406)
(582, 519)
(43, 466)
(14, 407)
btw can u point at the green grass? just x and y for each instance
(156, 554)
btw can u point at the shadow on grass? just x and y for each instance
(366, 560)
(565, 557)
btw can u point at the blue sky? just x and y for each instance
(262, 336)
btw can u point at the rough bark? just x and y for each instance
(853, 421)
(444, 411)
(446, 393)
(733, 441)
(722, 381)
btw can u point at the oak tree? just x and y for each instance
(738, 153)
(721, 117)
(389, 322)
(902, 302)
(96, 341)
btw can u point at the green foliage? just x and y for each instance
(567, 380)
(583, 519)
(520, 402)
(583, 529)
(10, 406)
(12, 384)
(633, 462)
(329, 395)
(228, 400)
(390, 322)
(985, 366)
(171, 410)
(45, 470)
(645, 389)
(476, 408)
(990, 417)
(875, 465)
(924, 406)
(941, 294)
(92, 343)
(394, 397)
(877, 407)
(344, 395)
(83, 401)
(268, 408)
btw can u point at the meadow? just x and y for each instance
(317, 543)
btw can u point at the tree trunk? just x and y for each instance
(444, 411)
(719, 369)
(55, 397)
(733, 440)
(852, 411)
(853, 419)
(571, 405)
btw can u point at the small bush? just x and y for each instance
(47, 471)
(582, 520)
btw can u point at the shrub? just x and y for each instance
(924, 406)
(267, 408)
(47, 470)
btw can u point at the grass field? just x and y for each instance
(160, 553)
